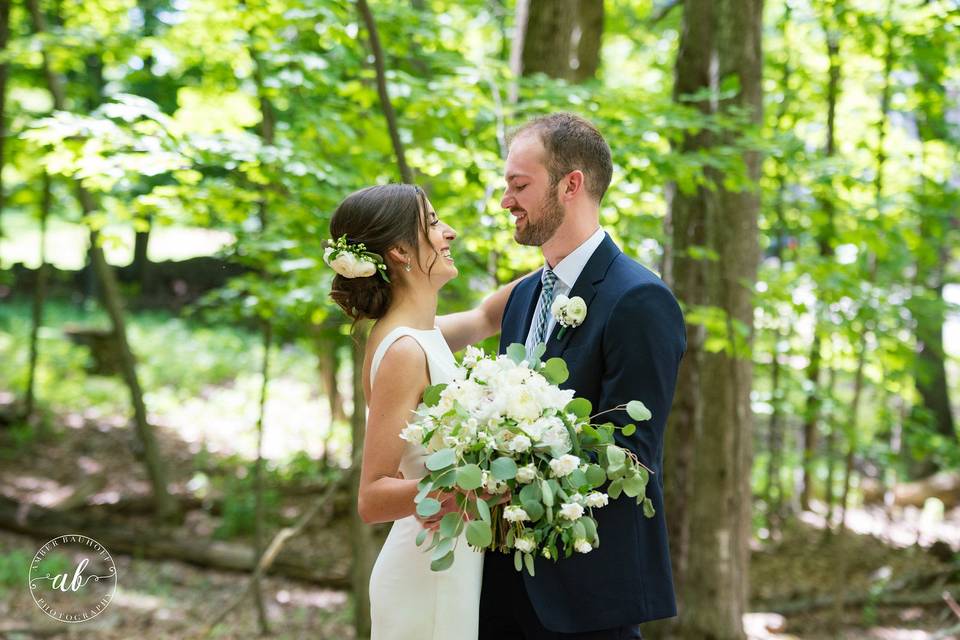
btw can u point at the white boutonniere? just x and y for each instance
(569, 312)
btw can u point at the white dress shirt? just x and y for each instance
(567, 272)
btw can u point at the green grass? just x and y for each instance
(67, 242)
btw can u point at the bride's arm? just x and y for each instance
(468, 327)
(383, 497)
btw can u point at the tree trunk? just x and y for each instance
(825, 237)
(386, 106)
(258, 481)
(39, 298)
(548, 42)
(720, 39)
(4, 38)
(590, 38)
(113, 304)
(363, 543)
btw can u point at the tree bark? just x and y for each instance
(258, 481)
(4, 68)
(825, 237)
(590, 39)
(548, 41)
(113, 304)
(39, 298)
(388, 113)
(720, 39)
(363, 543)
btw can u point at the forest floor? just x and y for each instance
(898, 586)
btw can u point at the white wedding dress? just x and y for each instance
(408, 601)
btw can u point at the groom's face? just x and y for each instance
(534, 203)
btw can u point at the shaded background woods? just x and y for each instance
(176, 384)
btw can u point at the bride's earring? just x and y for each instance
(407, 267)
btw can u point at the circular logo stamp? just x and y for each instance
(72, 578)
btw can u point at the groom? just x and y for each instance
(628, 347)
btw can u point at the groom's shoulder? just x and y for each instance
(626, 274)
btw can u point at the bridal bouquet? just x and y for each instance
(524, 458)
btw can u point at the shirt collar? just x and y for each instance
(569, 269)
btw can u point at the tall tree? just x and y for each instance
(4, 38)
(113, 304)
(562, 38)
(825, 239)
(720, 48)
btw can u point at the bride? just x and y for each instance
(392, 256)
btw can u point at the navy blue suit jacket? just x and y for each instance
(628, 348)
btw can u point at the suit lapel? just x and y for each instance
(586, 287)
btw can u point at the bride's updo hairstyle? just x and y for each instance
(381, 217)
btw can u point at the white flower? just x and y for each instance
(520, 443)
(545, 553)
(564, 465)
(526, 473)
(569, 312)
(576, 311)
(571, 510)
(525, 544)
(597, 499)
(515, 514)
(412, 433)
(471, 356)
(491, 484)
(557, 439)
(582, 545)
(558, 305)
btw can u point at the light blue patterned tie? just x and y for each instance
(549, 280)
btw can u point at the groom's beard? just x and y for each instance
(536, 234)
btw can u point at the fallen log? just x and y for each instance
(944, 486)
(144, 542)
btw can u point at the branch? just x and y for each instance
(271, 553)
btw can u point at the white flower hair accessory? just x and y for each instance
(569, 312)
(352, 260)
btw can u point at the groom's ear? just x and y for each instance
(572, 184)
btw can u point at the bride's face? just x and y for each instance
(437, 250)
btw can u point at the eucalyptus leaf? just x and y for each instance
(479, 534)
(441, 459)
(555, 371)
(503, 469)
(469, 477)
(638, 410)
(428, 507)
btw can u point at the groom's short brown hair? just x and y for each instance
(572, 143)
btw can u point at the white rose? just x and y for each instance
(515, 514)
(364, 268)
(526, 473)
(582, 545)
(326, 254)
(345, 264)
(564, 465)
(556, 309)
(571, 510)
(557, 439)
(520, 443)
(472, 356)
(597, 499)
(576, 310)
(522, 405)
(525, 544)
